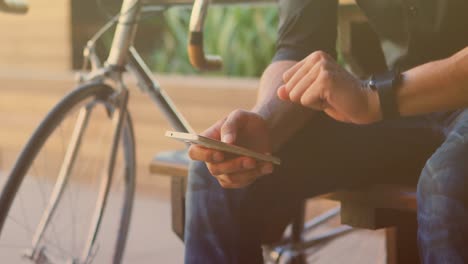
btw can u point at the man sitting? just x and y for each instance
(334, 131)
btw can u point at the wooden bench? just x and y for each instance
(382, 206)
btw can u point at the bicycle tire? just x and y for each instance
(94, 91)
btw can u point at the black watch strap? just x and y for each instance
(386, 85)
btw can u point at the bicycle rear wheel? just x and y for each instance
(52, 203)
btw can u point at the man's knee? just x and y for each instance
(443, 203)
(446, 172)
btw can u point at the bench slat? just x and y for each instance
(171, 163)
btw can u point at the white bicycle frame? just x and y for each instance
(123, 56)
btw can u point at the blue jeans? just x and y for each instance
(229, 226)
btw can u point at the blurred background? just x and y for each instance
(41, 51)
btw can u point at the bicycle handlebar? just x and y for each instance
(14, 6)
(196, 52)
(197, 55)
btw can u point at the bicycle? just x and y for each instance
(99, 103)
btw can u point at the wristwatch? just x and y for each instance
(386, 84)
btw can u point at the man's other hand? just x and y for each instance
(242, 128)
(318, 82)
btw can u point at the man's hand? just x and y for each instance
(242, 128)
(318, 82)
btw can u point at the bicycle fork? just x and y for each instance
(70, 156)
(119, 118)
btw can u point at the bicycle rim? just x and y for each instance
(38, 174)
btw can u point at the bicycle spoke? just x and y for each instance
(11, 246)
(14, 220)
(45, 182)
(27, 230)
(72, 220)
(46, 177)
(36, 177)
(43, 195)
(28, 226)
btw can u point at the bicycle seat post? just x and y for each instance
(124, 33)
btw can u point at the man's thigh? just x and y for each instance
(327, 155)
(443, 198)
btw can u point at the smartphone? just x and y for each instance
(221, 146)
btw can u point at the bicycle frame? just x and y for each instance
(124, 33)
(123, 57)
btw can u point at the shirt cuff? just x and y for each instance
(289, 54)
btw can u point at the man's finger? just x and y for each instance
(243, 179)
(301, 72)
(291, 71)
(282, 93)
(232, 124)
(236, 165)
(312, 98)
(200, 153)
(304, 84)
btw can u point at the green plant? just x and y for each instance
(243, 35)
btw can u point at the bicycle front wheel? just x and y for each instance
(52, 203)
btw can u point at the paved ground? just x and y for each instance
(150, 239)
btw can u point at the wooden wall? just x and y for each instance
(38, 40)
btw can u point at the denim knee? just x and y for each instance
(446, 172)
(212, 224)
(443, 202)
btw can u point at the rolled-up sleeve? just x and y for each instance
(306, 26)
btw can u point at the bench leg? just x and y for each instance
(401, 241)
(297, 233)
(178, 187)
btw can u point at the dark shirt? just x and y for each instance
(427, 29)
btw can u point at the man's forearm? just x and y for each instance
(435, 86)
(283, 118)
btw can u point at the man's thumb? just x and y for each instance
(228, 133)
(230, 127)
